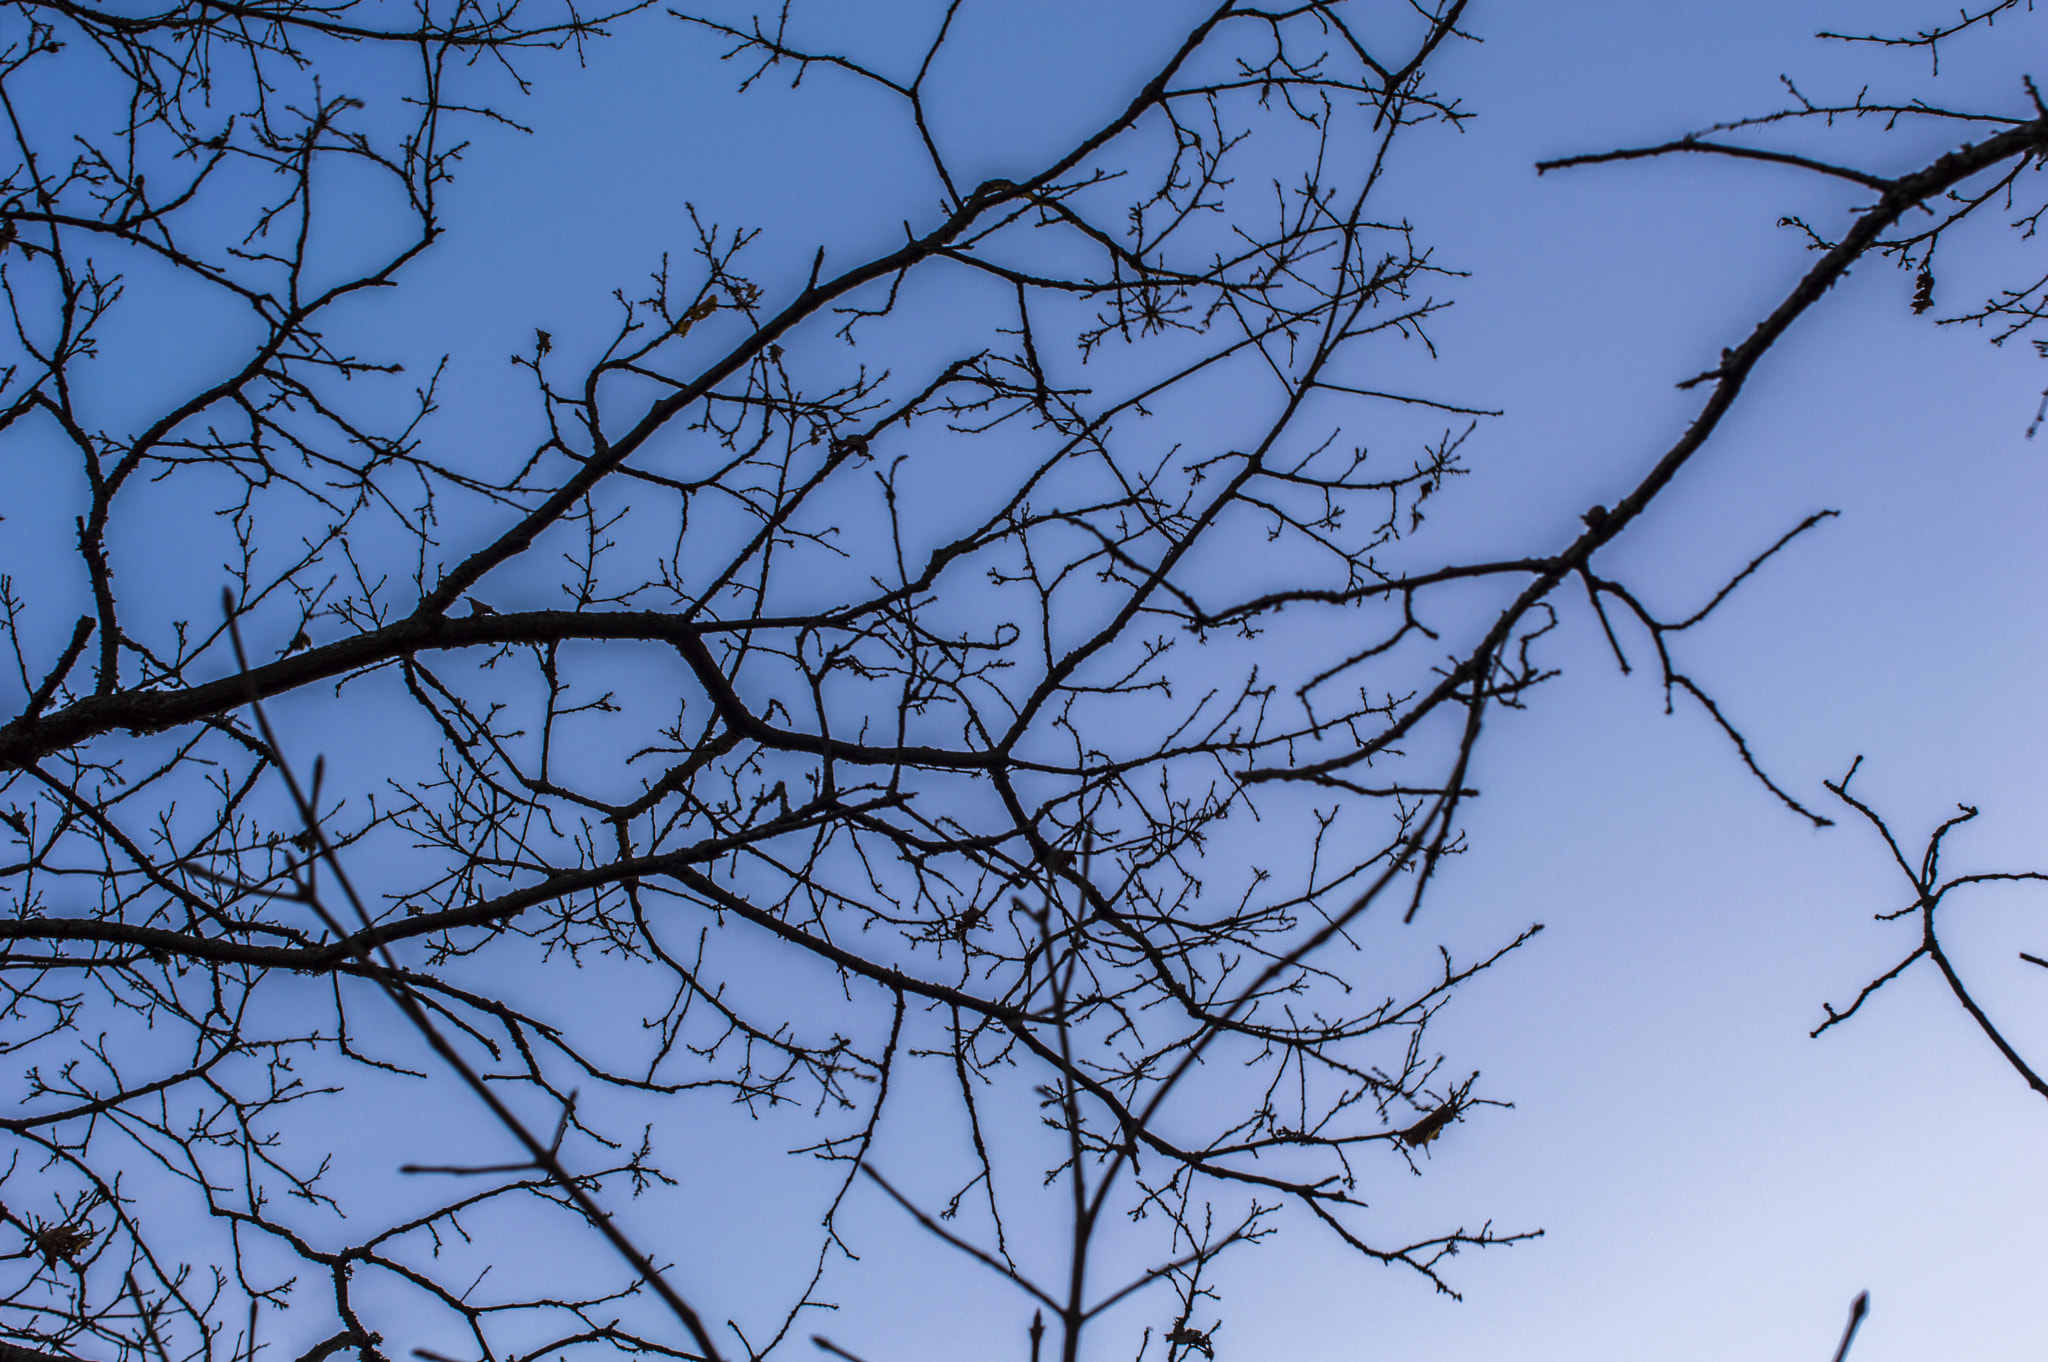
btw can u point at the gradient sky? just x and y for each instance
(1712, 1183)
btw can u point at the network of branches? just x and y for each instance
(802, 711)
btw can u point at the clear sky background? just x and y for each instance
(1712, 1182)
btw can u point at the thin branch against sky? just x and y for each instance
(855, 672)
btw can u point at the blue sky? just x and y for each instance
(1712, 1182)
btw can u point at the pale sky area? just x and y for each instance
(1711, 1182)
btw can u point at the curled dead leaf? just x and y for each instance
(63, 1242)
(1430, 1126)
